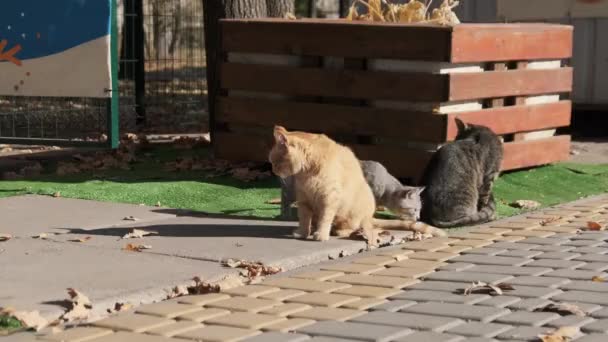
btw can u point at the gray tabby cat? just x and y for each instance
(459, 179)
(390, 193)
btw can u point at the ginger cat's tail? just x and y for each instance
(413, 226)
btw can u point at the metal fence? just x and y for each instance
(161, 81)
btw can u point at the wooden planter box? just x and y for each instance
(392, 91)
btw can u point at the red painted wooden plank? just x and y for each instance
(522, 154)
(504, 42)
(334, 119)
(513, 119)
(492, 84)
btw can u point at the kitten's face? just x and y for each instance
(409, 204)
(285, 156)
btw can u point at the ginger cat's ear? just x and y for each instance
(280, 135)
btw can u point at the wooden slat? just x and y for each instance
(337, 38)
(334, 119)
(522, 154)
(502, 42)
(515, 119)
(338, 83)
(491, 84)
(462, 43)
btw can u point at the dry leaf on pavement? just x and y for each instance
(525, 204)
(594, 226)
(274, 201)
(201, 287)
(482, 287)
(82, 239)
(42, 236)
(29, 319)
(136, 248)
(549, 220)
(562, 334)
(598, 279)
(5, 237)
(252, 269)
(178, 291)
(562, 309)
(130, 218)
(57, 194)
(81, 306)
(118, 307)
(137, 233)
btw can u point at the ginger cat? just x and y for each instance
(331, 190)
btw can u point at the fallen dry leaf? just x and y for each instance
(201, 287)
(81, 306)
(136, 248)
(274, 201)
(42, 236)
(598, 279)
(483, 287)
(130, 218)
(562, 334)
(252, 269)
(549, 220)
(57, 194)
(525, 204)
(562, 309)
(118, 307)
(178, 291)
(82, 239)
(29, 319)
(5, 237)
(137, 233)
(594, 226)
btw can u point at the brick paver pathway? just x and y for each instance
(408, 293)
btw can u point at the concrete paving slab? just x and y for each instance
(32, 214)
(36, 273)
(217, 239)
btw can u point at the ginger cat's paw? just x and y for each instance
(299, 233)
(320, 237)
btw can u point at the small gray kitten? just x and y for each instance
(402, 200)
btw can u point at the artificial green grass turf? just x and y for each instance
(147, 183)
(8, 324)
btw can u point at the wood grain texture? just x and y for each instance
(513, 119)
(522, 154)
(504, 42)
(356, 84)
(492, 84)
(340, 38)
(334, 119)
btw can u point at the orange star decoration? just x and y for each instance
(10, 54)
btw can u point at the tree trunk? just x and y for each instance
(177, 23)
(278, 8)
(244, 8)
